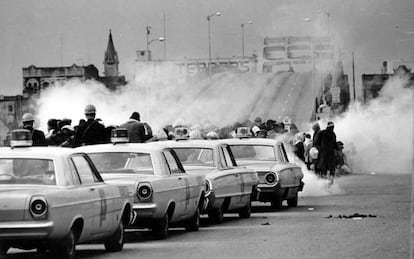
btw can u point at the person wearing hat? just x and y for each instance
(326, 141)
(136, 129)
(38, 137)
(91, 132)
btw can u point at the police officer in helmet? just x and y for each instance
(38, 137)
(91, 132)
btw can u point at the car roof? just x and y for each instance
(38, 152)
(201, 143)
(250, 141)
(121, 147)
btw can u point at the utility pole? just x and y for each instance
(353, 75)
(165, 36)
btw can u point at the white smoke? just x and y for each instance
(226, 98)
(378, 137)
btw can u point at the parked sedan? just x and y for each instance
(165, 193)
(229, 187)
(54, 198)
(279, 179)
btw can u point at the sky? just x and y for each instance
(62, 32)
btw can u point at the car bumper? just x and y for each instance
(26, 229)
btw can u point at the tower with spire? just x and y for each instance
(112, 79)
(111, 59)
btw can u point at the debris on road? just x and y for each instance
(353, 216)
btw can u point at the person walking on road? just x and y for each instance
(326, 142)
(136, 129)
(92, 131)
(316, 130)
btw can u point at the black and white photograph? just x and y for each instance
(206, 129)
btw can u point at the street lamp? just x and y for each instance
(242, 27)
(147, 89)
(209, 40)
(313, 71)
(148, 29)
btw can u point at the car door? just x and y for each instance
(101, 221)
(235, 178)
(177, 183)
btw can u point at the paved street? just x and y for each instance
(317, 228)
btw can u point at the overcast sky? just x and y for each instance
(63, 32)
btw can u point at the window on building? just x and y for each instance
(10, 107)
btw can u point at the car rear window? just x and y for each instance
(27, 171)
(122, 162)
(250, 152)
(195, 156)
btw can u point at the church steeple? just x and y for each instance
(111, 58)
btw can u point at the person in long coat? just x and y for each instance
(326, 142)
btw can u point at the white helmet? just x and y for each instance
(90, 109)
(27, 117)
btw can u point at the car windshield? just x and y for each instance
(27, 171)
(122, 162)
(250, 152)
(195, 156)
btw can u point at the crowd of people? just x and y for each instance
(320, 151)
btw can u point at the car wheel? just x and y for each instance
(276, 203)
(160, 229)
(245, 212)
(194, 222)
(67, 248)
(216, 215)
(116, 242)
(3, 249)
(293, 202)
(41, 249)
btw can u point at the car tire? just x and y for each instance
(42, 249)
(293, 202)
(194, 222)
(66, 249)
(216, 215)
(277, 203)
(160, 229)
(245, 212)
(116, 242)
(3, 249)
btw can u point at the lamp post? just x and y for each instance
(242, 28)
(147, 89)
(313, 72)
(209, 40)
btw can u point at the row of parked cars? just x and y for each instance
(54, 198)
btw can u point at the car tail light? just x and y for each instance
(271, 178)
(38, 207)
(144, 191)
(209, 187)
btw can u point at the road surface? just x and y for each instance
(317, 228)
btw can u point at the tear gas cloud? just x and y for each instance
(378, 137)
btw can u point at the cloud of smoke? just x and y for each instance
(378, 137)
(227, 98)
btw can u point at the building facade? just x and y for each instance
(36, 79)
(373, 83)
